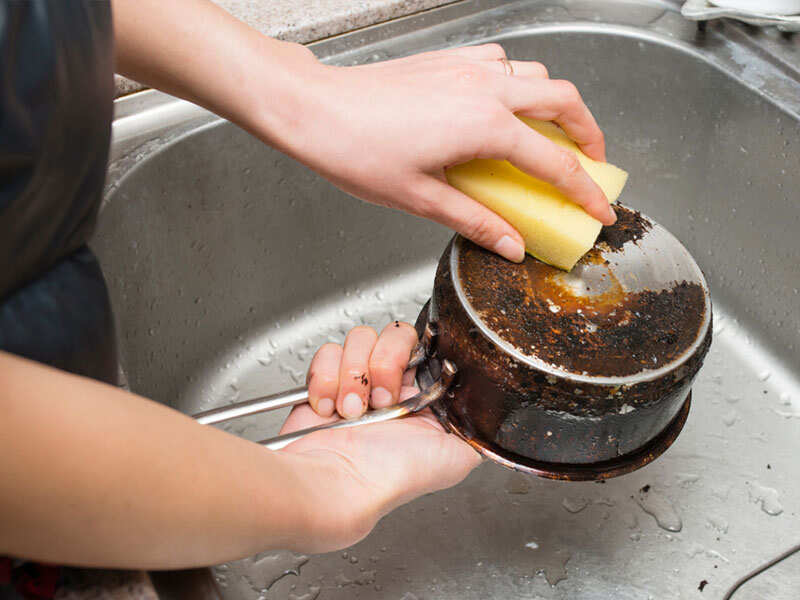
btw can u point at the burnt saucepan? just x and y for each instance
(579, 375)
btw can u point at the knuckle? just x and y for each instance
(362, 330)
(495, 49)
(543, 72)
(426, 206)
(322, 380)
(568, 90)
(478, 228)
(329, 348)
(357, 374)
(383, 368)
(469, 74)
(568, 166)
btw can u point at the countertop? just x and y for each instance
(307, 21)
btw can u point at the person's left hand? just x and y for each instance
(370, 470)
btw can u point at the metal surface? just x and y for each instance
(229, 264)
(604, 280)
(432, 393)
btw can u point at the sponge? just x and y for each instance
(556, 230)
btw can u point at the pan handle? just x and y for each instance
(299, 395)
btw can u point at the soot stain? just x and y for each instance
(631, 226)
(612, 333)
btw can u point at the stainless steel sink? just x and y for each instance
(229, 264)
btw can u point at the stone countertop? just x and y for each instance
(306, 21)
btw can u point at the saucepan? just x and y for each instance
(582, 375)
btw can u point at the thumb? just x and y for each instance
(448, 206)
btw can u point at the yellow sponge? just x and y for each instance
(556, 230)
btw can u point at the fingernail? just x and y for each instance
(381, 397)
(352, 406)
(510, 249)
(325, 407)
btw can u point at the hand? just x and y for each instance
(386, 131)
(365, 472)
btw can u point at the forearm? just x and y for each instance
(199, 52)
(93, 475)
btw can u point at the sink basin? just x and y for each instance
(229, 263)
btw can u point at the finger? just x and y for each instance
(444, 204)
(323, 379)
(521, 68)
(545, 160)
(559, 101)
(490, 51)
(354, 383)
(406, 391)
(388, 361)
(303, 417)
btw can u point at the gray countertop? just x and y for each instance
(307, 20)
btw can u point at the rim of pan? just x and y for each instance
(551, 369)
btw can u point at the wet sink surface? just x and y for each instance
(229, 264)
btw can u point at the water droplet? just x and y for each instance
(517, 483)
(532, 545)
(686, 479)
(553, 565)
(764, 375)
(269, 567)
(574, 505)
(265, 362)
(730, 418)
(660, 508)
(718, 523)
(767, 497)
(313, 592)
(786, 399)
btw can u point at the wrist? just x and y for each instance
(279, 105)
(334, 508)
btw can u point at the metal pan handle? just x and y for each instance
(300, 395)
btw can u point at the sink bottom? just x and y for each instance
(720, 501)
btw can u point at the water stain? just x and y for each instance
(363, 578)
(270, 567)
(313, 592)
(696, 549)
(717, 523)
(517, 483)
(660, 508)
(767, 497)
(553, 565)
(574, 505)
(730, 418)
(686, 479)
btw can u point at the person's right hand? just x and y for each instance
(386, 132)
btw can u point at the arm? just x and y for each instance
(382, 132)
(93, 475)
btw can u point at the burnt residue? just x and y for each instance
(602, 332)
(524, 418)
(631, 226)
